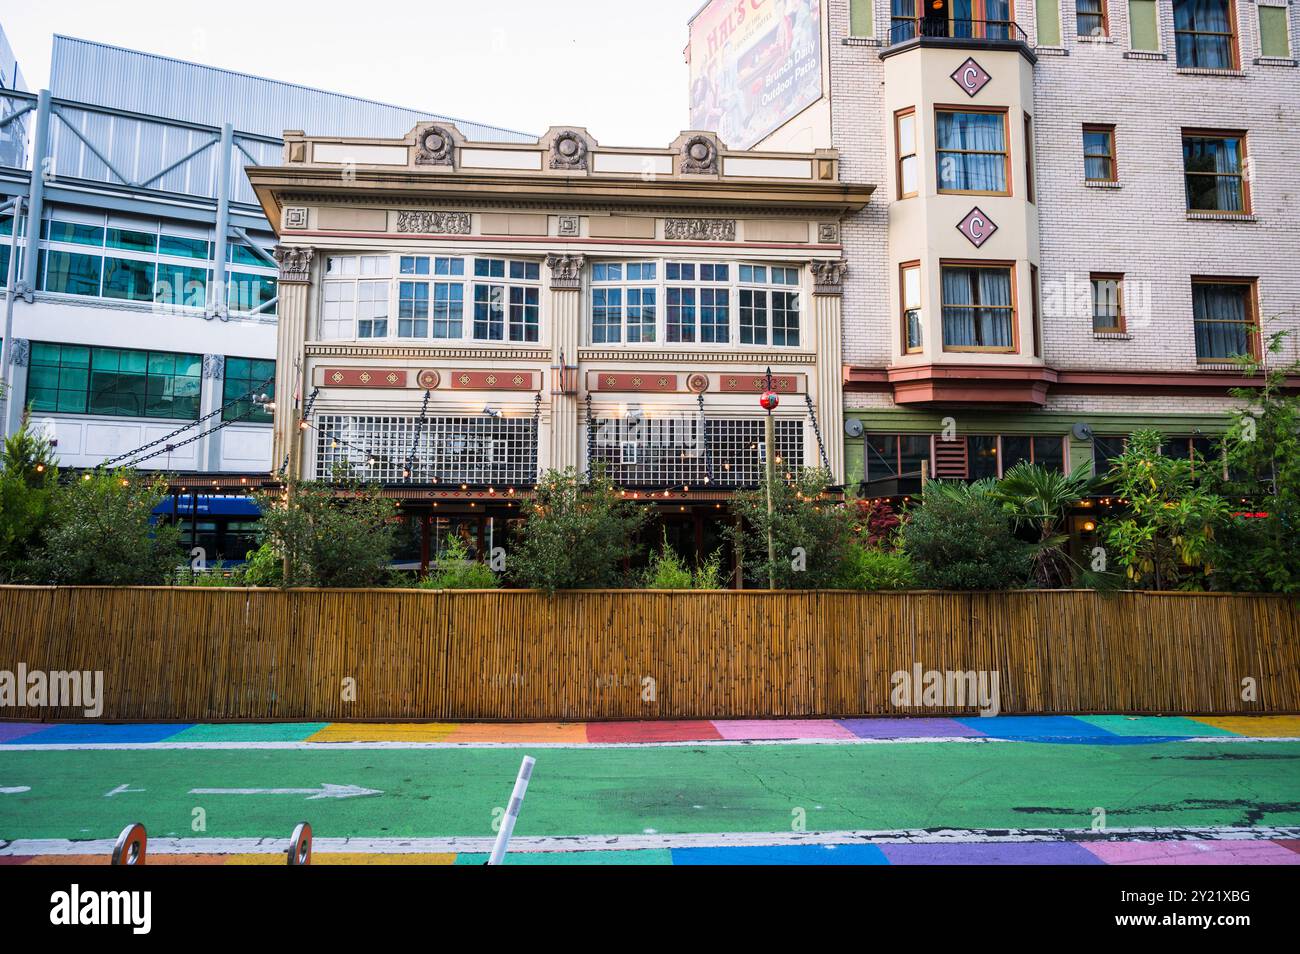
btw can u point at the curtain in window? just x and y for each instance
(972, 134)
(965, 323)
(1222, 157)
(1203, 32)
(903, 20)
(1221, 314)
(998, 15)
(1089, 19)
(961, 16)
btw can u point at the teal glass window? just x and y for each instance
(128, 278)
(69, 273)
(246, 376)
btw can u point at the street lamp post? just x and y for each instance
(768, 402)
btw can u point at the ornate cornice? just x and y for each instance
(700, 230)
(566, 270)
(697, 356)
(319, 350)
(828, 276)
(430, 222)
(294, 262)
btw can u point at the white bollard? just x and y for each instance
(512, 813)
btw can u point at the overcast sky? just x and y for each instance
(614, 66)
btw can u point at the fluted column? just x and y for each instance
(828, 294)
(566, 332)
(291, 335)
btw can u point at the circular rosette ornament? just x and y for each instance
(769, 400)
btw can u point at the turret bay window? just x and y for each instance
(909, 290)
(1205, 34)
(979, 311)
(971, 151)
(1223, 312)
(1214, 171)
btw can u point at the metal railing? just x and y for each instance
(903, 29)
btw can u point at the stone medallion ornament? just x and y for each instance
(700, 156)
(698, 383)
(971, 77)
(429, 379)
(977, 227)
(569, 151)
(434, 146)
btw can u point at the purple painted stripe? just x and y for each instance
(16, 730)
(992, 853)
(909, 728)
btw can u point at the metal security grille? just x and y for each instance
(684, 450)
(478, 450)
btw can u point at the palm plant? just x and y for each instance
(1038, 499)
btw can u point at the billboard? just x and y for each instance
(755, 64)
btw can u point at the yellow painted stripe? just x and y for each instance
(383, 732)
(572, 732)
(1256, 726)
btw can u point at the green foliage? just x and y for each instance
(28, 484)
(264, 567)
(959, 538)
(873, 568)
(338, 534)
(1165, 537)
(803, 518)
(1038, 499)
(100, 533)
(454, 570)
(577, 533)
(668, 571)
(1263, 452)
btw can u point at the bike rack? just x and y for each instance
(300, 845)
(131, 844)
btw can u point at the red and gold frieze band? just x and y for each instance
(362, 377)
(750, 383)
(493, 380)
(654, 382)
(697, 382)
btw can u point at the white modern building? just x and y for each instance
(143, 307)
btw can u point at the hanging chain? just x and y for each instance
(415, 441)
(821, 448)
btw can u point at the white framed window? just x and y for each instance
(692, 302)
(624, 302)
(355, 297)
(509, 309)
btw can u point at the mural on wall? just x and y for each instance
(755, 64)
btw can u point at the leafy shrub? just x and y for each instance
(959, 538)
(28, 484)
(668, 571)
(333, 534)
(803, 520)
(577, 533)
(101, 533)
(871, 568)
(875, 523)
(455, 570)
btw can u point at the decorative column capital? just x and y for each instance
(828, 276)
(214, 366)
(294, 262)
(566, 270)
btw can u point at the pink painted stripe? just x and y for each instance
(1192, 853)
(741, 729)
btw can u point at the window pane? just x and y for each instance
(183, 247)
(1049, 452)
(128, 279)
(70, 273)
(977, 308)
(971, 153)
(132, 241)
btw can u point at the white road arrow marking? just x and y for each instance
(15, 790)
(326, 790)
(121, 789)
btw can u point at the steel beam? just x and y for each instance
(36, 194)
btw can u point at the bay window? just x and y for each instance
(971, 151)
(978, 307)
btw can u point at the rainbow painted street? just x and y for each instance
(1008, 790)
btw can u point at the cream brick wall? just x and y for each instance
(1140, 229)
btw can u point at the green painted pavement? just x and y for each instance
(741, 788)
(1155, 725)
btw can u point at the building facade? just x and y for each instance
(1084, 212)
(144, 320)
(457, 317)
